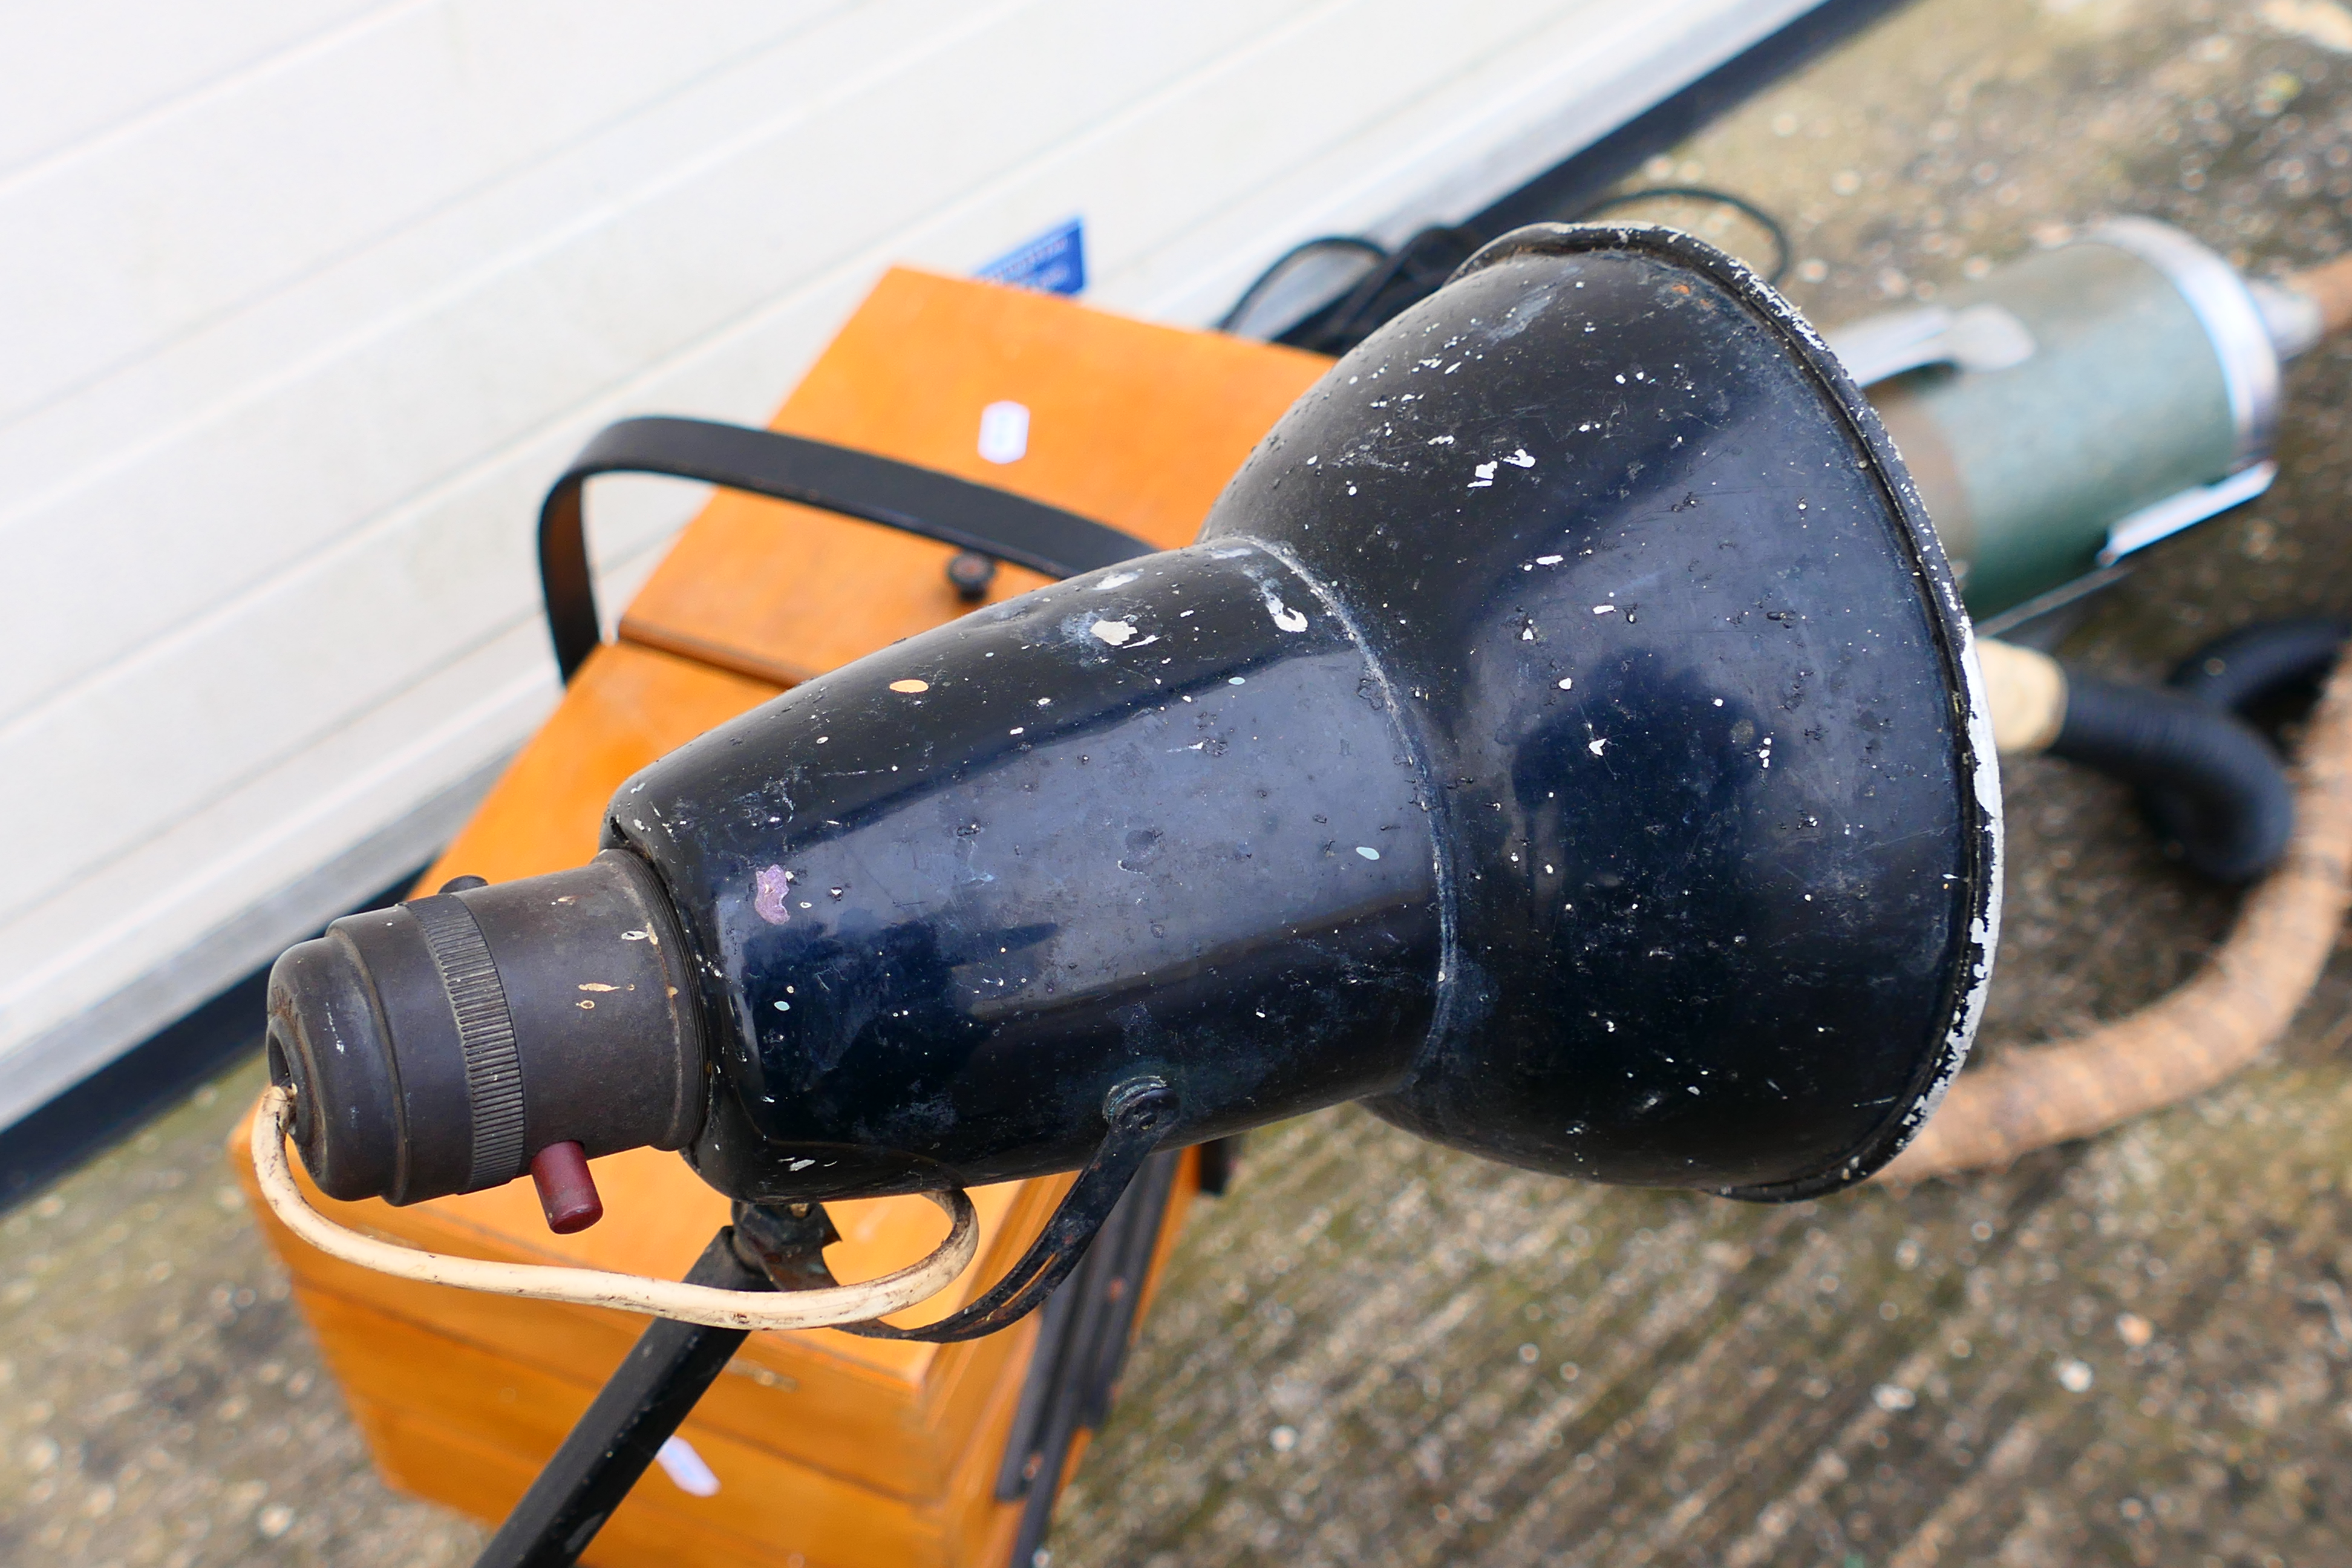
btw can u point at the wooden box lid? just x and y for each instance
(1130, 424)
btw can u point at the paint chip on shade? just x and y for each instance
(1116, 633)
(1604, 609)
(1367, 852)
(1285, 617)
(769, 884)
(911, 687)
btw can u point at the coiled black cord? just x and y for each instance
(1398, 278)
(1282, 264)
(1783, 254)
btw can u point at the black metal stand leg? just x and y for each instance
(663, 1378)
(1079, 1352)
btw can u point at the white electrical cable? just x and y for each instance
(594, 1286)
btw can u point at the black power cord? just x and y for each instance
(1782, 255)
(1397, 280)
(1291, 258)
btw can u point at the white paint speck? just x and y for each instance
(1116, 580)
(1285, 619)
(783, 1006)
(1567, 683)
(1520, 459)
(1598, 745)
(1604, 609)
(1441, 440)
(1367, 852)
(1016, 730)
(1484, 476)
(1237, 680)
(679, 1460)
(1549, 560)
(1005, 432)
(1116, 633)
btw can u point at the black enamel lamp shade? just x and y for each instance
(1562, 736)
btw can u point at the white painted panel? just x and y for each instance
(100, 68)
(278, 452)
(633, 246)
(394, 128)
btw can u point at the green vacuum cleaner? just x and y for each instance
(2084, 402)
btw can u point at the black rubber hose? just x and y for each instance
(2209, 782)
(2238, 670)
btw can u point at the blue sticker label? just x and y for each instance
(1052, 263)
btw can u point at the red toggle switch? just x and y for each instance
(566, 1191)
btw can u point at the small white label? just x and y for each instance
(1005, 432)
(685, 1468)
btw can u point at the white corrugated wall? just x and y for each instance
(302, 306)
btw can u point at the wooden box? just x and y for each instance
(830, 1451)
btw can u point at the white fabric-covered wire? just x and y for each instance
(596, 1288)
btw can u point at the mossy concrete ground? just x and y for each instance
(2129, 1351)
